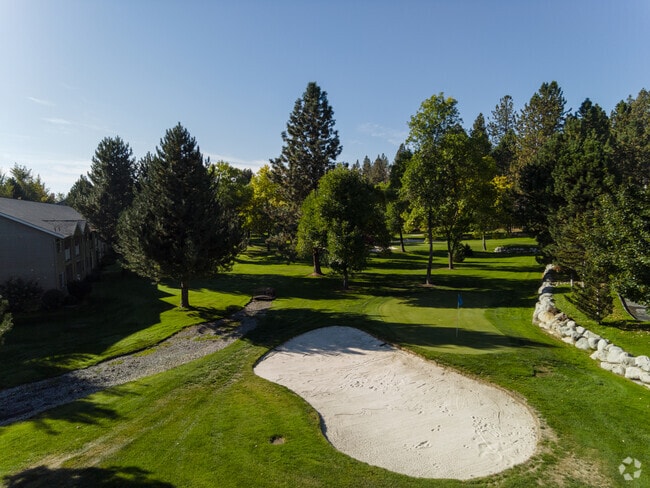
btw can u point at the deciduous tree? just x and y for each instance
(347, 213)
(396, 202)
(424, 181)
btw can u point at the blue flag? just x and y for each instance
(460, 300)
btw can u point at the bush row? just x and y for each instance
(28, 296)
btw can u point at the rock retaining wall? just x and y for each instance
(611, 357)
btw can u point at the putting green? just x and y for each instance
(451, 330)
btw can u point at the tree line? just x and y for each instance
(575, 180)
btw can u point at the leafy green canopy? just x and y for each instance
(449, 173)
(177, 228)
(343, 217)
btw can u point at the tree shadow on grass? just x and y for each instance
(327, 287)
(113, 477)
(43, 345)
(282, 325)
(46, 406)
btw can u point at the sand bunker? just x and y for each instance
(393, 409)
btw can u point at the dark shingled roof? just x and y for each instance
(58, 220)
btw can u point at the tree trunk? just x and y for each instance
(484, 242)
(450, 253)
(401, 239)
(185, 293)
(316, 259)
(346, 283)
(430, 261)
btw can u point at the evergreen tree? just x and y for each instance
(535, 196)
(22, 185)
(176, 227)
(538, 145)
(585, 168)
(78, 193)
(503, 120)
(311, 146)
(366, 168)
(380, 170)
(112, 183)
(631, 129)
(540, 119)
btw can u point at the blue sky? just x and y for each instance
(74, 72)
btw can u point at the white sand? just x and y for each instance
(393, 409)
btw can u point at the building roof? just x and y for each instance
(58, 220)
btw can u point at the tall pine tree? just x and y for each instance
(177, 228)
(311, 146)
(110, 192)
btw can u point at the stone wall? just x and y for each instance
(611, 357)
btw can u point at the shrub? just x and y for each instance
(23, 296)
(5, 318)
(53, 299)
(80, 288)
(463, 251)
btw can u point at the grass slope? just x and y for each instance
(123, 314)
(211, 422)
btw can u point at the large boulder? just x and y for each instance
(546, 317)
(633, 373)
(593, 342)
(643, 362)
(606, 366)
(614, 354)
(583, 344)
(627, 360)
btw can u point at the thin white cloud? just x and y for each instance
(57, 121)
(40, 101)
(395, 137)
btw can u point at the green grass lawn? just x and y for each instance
(123, 314)
(209, 423)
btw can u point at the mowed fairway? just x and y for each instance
(213, 422)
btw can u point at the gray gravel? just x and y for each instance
(25, 401)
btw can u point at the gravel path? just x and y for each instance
(25, 401)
